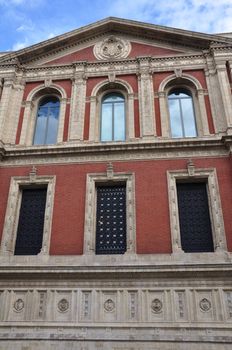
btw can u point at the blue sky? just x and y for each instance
(26, 22)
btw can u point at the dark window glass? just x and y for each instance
(194, 218)
(182, 117)
(111, 220)
(47, 121)
(31, 222)
(113, 118)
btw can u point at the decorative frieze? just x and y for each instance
(99, 306)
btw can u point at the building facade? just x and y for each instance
(116, 190)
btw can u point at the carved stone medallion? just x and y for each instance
(205, 305)
(63, 305)
(109, 305)
(112, 48)
(156, 306)
(18, 305)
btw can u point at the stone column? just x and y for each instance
(146, 99)
(1, 86)
(225, 91)
(5, 104)
(164, 114)
(63, 103)
(93, 127)
(28, 124)
(203, 112)
(131, 117)
(11, 123)
(77, 111)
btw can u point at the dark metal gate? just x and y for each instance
(194, 218)
(111, 220)
(31, 222)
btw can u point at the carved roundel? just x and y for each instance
(18, 305)
(156, 306)
(205, 305)
(63, 305)
(112, 48)
(109, 305)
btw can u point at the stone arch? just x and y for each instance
(98, 91)
(193, 84)
(30, 112)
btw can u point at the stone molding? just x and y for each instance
(198, 102)
(119, 85)
(31, 108)
(217, 223)
(13, 208)
(105, 152)
(110, 177)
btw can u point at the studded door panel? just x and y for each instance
(31, 222)
(111, 220)
(195, 225)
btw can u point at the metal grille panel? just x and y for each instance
(111, 220)
(195, 225)
(31, 222)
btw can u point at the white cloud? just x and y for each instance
(197, 15)
(25, 27)
(20, 45)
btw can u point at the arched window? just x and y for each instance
(47, 121)
(182, 115)
(113, 117)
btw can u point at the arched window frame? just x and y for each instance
(102, 96)
(191, 93)
(102, 89)
(31, 109)
(39, 102)
(194, 87)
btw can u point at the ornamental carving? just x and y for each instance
(205, 305)
(112, 48)
(109, 305)
(18, 305)
(156, 306)
(63, 305)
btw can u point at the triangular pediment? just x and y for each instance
(144, 39)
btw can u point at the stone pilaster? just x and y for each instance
(1, 86)
(5, 104)
(146, 99)
(63, 103)
(77, 113)
(203, 113)
(214, 94)
(164, 114)
(28, 124)
(225, 91)
(11, 123)
(93, 127)
(131, 119)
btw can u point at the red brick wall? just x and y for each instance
(152, 211)
(81, 55)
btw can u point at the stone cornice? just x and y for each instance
(111, 24)
(122, 62)
(100, 152)
(212, 265)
